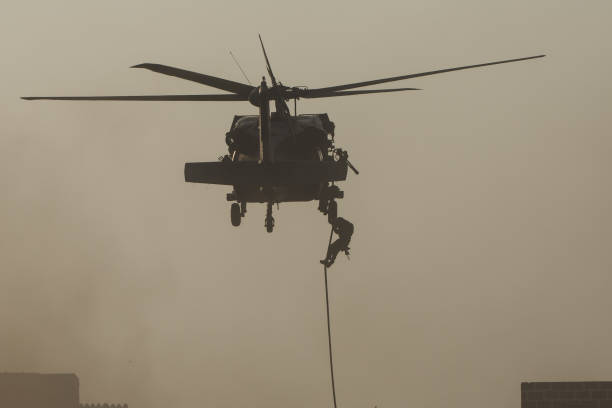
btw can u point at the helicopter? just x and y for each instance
(274, 157)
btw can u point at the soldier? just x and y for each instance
(344, 229)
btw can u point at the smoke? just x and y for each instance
(481, 252)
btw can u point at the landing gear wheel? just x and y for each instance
(332, 211)
(236, 215)
(269, 224)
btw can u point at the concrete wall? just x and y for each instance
(591, 394)
(27, 390)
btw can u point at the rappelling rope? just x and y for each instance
(331, 360)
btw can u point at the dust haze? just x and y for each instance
(481, 256)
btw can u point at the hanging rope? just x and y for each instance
(331, 360)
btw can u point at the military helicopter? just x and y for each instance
(274, 157)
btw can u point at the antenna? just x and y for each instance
(240, 68)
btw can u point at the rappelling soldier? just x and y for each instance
(344, 229)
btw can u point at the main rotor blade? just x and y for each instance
(219, 83)
(224, 97)
(401, 77)
(267, 62)
(327, 94)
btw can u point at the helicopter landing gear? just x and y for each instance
(269, 224)
(236, 214)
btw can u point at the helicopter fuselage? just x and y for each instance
(294, 162)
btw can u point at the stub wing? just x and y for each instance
(276, 174)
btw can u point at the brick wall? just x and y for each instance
(591, 394)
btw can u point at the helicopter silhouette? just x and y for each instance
(273, 157)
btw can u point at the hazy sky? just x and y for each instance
(482, 251)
